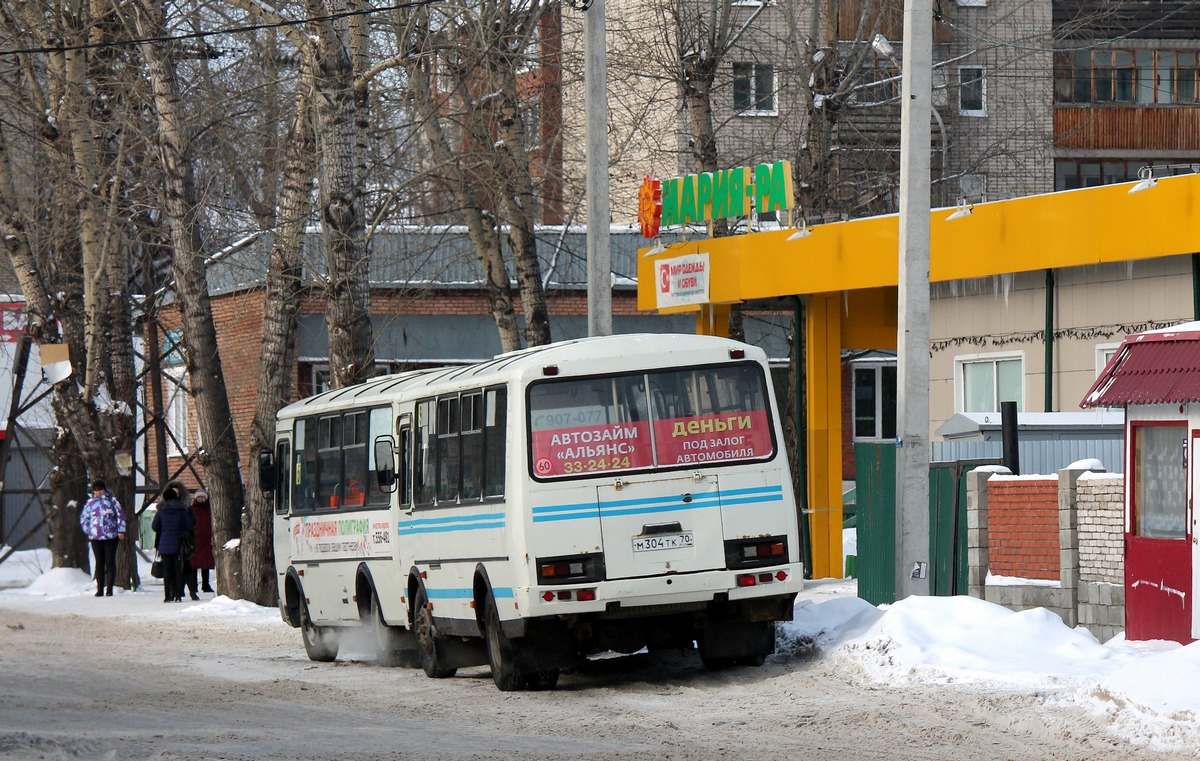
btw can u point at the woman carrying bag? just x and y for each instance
(172, 526)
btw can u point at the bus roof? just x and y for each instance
(583, 356)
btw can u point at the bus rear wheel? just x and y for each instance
(320, 642)
(500, 651)
(427, 640)
(389, 640)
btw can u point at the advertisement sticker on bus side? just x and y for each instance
(333, 538)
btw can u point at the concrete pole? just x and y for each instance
(912, 456)
(599, 257)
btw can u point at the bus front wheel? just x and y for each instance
(320, 642)
(427, 640)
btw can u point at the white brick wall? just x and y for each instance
(1101, 515)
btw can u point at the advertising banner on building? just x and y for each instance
(683, 280)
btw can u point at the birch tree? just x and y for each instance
(220, 455)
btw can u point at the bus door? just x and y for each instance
(283, 498)
(652, 526)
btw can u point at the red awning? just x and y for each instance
(1160, 367)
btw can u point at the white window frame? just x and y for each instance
(993, 357)
(1104, 353)
(982, 110)
(774, 110)
(175, 412)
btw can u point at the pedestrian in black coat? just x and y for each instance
(172, 526)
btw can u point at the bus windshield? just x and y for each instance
(659, 419)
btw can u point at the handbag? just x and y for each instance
(187, 546)
(156, 567)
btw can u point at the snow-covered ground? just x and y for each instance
(1147, 692)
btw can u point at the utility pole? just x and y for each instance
(912, 454)
(599, 256)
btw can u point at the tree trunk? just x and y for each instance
(276, 367)
(351, 341)
(519, 210)
(68, 489)
(220, 452)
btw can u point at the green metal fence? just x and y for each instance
(875, 467)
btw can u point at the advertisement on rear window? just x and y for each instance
(332, 538)
(713, 438)
(591, 449)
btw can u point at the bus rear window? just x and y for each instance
(661, 419)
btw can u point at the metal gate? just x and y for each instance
(875, 468)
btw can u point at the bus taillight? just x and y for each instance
(570, 569)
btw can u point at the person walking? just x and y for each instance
(103, 522)
(172, 527)
(202, 560)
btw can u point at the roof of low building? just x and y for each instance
(1155, 367)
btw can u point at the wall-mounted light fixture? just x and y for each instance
(963, 210)
(1145, 180)
(659, 248)
(802, 230)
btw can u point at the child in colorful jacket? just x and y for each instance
(103, 523)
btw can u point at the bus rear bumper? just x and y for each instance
(655, 595)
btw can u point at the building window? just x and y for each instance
(1160, 481)
(972, 88)
(175, 413)
(1070, 174)
(983, 381)
(1104, 355)
(874, 402)
(753, 88)
(1143, 77)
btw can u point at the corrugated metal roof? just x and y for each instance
(1156, 367)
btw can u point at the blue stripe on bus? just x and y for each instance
(451, 523)
(649, 505)
(500, 593)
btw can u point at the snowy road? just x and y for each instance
(180, 687)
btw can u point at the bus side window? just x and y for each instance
(449, 457)
(423, 470)
(495, 437)
(472, 446)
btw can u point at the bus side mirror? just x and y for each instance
(385, 464)
(266, 471)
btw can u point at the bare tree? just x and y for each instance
(64, 230)
(461, 63)
(220, 458)
(281, 305)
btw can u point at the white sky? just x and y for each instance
(1146, 692)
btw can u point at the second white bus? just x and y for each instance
(604, 494)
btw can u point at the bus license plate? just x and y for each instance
(663, 542)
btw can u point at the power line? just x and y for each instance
(202, 35)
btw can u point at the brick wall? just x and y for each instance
(1087, 526)
(1023, 527)
(1101, 505)
(1100, 501)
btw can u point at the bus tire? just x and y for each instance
(428, 650)
(320, 642)
(542, 680)
(389, 641)
(500, 651)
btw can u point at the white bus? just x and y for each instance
(603, 494)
